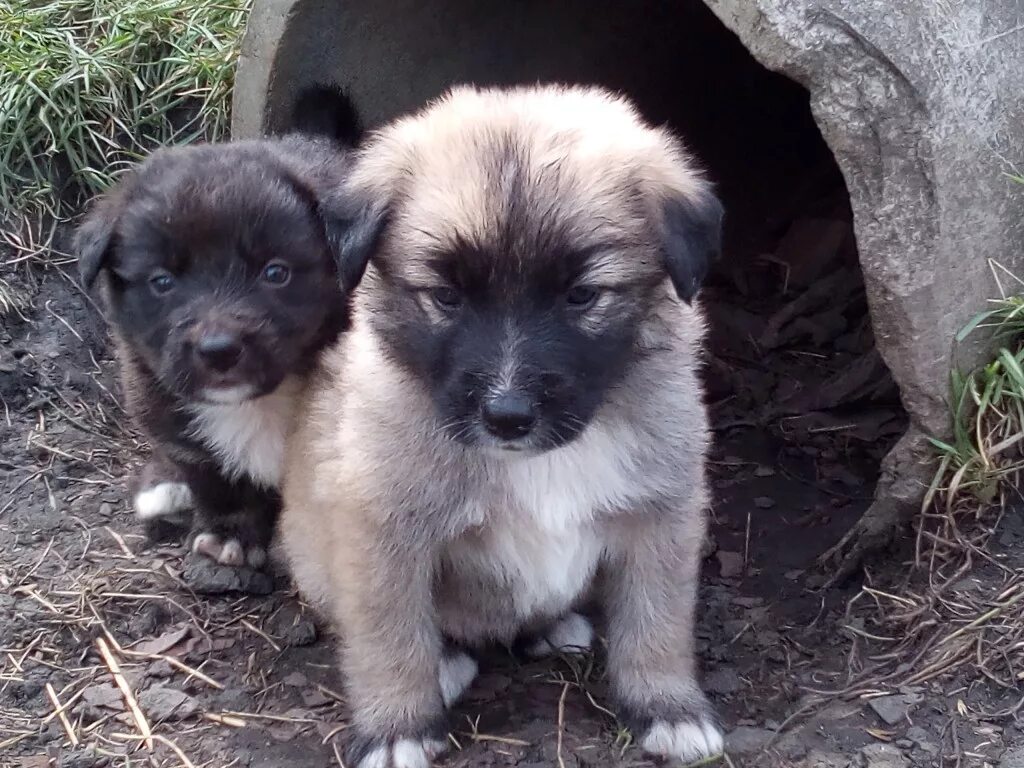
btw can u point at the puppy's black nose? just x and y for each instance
(219, 352)
(509, 416)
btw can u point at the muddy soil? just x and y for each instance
(249, 680)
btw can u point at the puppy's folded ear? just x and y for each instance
(691, 238)
(353, 224)
(94, 237)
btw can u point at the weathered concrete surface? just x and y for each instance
(920, 101)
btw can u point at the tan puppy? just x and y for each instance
(515, 420)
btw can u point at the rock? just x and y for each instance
(819, 759)
(730, 564)
(103, 695)
(882, 756)
(209, 578)
(917, 734)
(747, 740)
(161, 704)
(892, 709)
(164, 643)
(723, 681)
(1013, 758)
(159, 669)
(296, 680)
(314, 697)
(301, 633)
(764, 502)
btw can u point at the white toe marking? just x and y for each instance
(434, 748)
(685, 740)
(207, 544)
(256, 557)
(455, 675)
(658, 740)
(714, 737)
(232, 554)
(570, 634)
(410, 754)
(162, 499)
(376, 759)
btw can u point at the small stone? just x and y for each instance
(730, 564)
(1013, 758)
(206, 577)
(164, 643)
(722, 681)
(296, 680)
(103, 695)
(892, 709)
(746, 740)
(300, 634)
(748, 602)
(917, 734)
(882, 756)
(818, 759)
(161, 704)
(314, 697)
(763, 471)
(106, 510)
(764, 502)
(159, 669)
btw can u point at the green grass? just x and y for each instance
(987, 407)
(88, 86)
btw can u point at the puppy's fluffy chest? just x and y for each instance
(540, 534)
(248, 438)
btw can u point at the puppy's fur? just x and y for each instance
(219, 280)
(515, 419)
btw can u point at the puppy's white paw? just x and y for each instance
(685, 740)
(405, 753)
(229, 552)
(456, 673)
(570, 634)
(162, 500)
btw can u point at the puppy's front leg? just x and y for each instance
(391, 651)
(234, 520)
(650, 593)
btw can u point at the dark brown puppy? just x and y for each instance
(220, 286)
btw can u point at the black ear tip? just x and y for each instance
(91, 243)
(692, 240)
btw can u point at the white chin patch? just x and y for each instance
(455, 675)
(228, 395)
(406, 753)
(162, 500)
(685, 740)
(570, 634)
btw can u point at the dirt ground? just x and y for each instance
(248, 680)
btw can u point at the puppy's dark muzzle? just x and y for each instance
(509, 416)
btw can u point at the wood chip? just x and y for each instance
(129, 698)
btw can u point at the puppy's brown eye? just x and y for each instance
(161, 282)
(582, 296)
(446, 298)
(276, 274)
